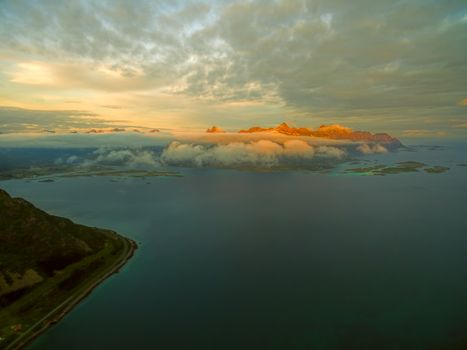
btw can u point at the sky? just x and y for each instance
(391, 66)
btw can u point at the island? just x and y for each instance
(50, 173)
(48, 264)
(334, 132)
(398, 168)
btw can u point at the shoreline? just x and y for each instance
(69, 304)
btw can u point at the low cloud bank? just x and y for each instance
(372, 149)
(257, 154)
(134, 157)
(261, 154)
(126, 157)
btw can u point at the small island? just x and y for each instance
(48, 265)
(436, 169)
(50, 173)
(398, 168)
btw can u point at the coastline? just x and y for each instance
(69, 304)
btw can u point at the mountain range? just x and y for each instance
(335, 132)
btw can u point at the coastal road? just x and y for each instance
(68, 304)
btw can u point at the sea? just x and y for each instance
(232, 259)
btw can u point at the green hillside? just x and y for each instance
(47, 263)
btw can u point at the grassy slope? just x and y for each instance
(70, 258)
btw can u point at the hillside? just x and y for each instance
(45, 260)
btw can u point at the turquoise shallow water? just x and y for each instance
(238, 260)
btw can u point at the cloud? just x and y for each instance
(256, 154)
(374, 63)
(371, 149)
(69, 160)
(79, 75)
(14, 119)
(115, 157)
(320, 58)
(132, 157)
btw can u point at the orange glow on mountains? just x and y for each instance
(335, 132)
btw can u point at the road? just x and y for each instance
(61, 310)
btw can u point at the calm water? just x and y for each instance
(232, 260)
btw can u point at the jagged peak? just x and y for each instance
(283, 125)
(214, 129)
(333, 131)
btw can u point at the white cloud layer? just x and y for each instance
(262, 154)
(133, 157)
(118, 157)
(371, 149)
